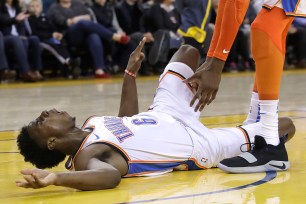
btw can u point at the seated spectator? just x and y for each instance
(105, 15)
(26, 48)
(51, 40)
(5, 73)
(74, 19)
(195, 26)
(130, 15)
(164, 25)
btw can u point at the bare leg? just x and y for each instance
(187, 55)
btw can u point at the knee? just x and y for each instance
(188, 55)
(83, 24)
(189, 50)
(291, 128)
(286, 127)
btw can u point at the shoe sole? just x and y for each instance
(153, 55)
(270, 166)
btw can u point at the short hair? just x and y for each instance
(40, 157)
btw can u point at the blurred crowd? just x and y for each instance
(94, 38)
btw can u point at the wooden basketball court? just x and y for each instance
(21, 103)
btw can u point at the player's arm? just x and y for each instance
(98, 175)
(129, 97)
(208, 76)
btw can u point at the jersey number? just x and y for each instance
(144, 121)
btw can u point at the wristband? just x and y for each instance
(130, 73)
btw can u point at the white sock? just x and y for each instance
(253, 115)
(269, 121)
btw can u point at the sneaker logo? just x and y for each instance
(280, 167)
(225, 51)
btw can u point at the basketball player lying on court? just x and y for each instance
(169, 136)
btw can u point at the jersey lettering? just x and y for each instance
(144, 121)
(117, 128)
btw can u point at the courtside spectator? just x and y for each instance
(73, 19)
(118, 54)
(5, 73)
(14, 23)
(51, 40)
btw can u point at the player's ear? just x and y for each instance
(51, 143)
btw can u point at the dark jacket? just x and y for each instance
(158, 18)
(129, 17)
(41, 26)
(6, 22)
(104, 15)
(59, 15)
(194, 13)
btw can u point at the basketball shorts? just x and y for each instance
(210, 146)
(291, 7)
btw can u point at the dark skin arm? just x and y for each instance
(129, 98)
(96, 169)
(206, 81)
(99, 175)
(208, 76)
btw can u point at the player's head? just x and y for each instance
(42, 141)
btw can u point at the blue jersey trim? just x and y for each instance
(289, 6)
(145, 167)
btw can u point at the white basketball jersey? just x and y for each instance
(151, 142)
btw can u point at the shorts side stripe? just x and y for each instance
(178, 75)
(246, 135)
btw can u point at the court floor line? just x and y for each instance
(9, 152)
(270, 175)
(4, 140)
(242, 114)
(7, 130)
(116, 79)
(205, 117)
(233, 123)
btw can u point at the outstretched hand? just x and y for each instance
(136, 58)
(36, 178)
(205, 82)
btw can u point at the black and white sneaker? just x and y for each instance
(263, 157)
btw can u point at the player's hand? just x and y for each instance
(205, 82)
(136, 58)
(36, 178)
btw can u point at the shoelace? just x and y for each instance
(250, 144)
